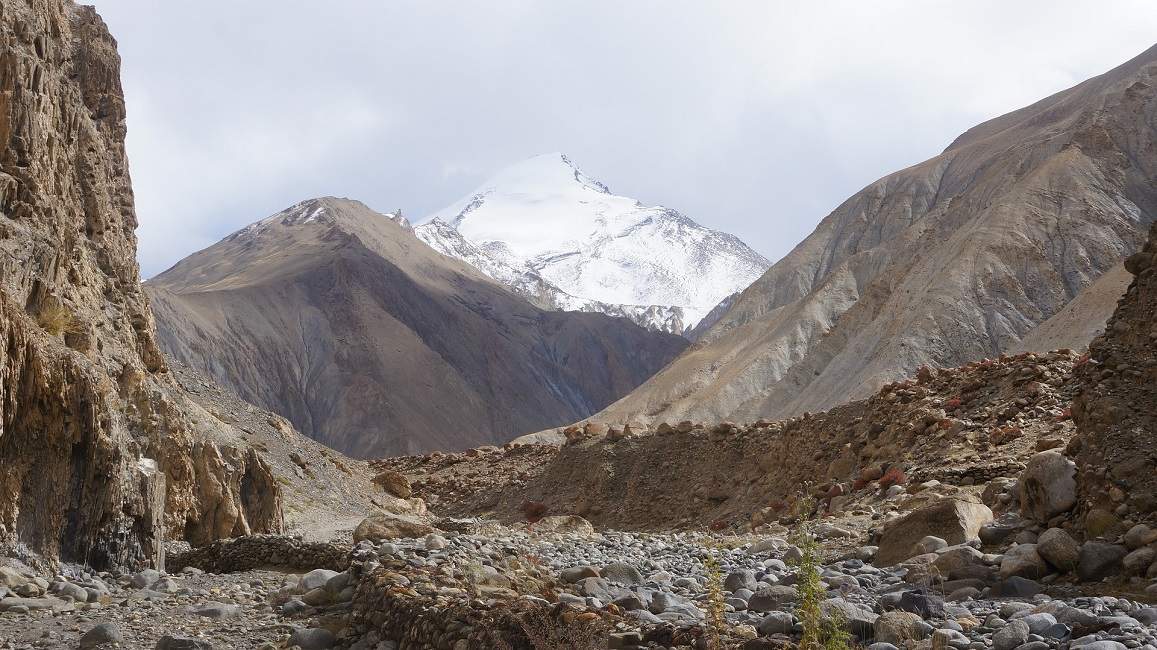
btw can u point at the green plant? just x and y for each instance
(819, 631)
(835, 631)
(716, 606)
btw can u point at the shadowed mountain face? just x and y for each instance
(958, 258)
(370, 341)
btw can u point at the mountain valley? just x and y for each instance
(553, 417)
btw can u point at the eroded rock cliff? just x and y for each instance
(98, 447)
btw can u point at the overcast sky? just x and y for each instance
(756, 118)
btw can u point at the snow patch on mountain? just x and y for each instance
(563, 240)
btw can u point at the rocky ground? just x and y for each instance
(569, 586)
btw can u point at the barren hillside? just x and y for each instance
(952, 260)
(369, 341)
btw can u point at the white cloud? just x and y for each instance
(755, 117)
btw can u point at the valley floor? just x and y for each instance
(561, 584)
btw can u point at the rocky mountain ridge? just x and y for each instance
(343, 321)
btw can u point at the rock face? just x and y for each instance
(949, 261)
(343, 321)
(1116, 412)
(97, 447)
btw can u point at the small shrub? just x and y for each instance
(716, 605)
(55, 318)
(953, 404)
(894, 476)
(533, 510)
(820, 632)
(548, 632)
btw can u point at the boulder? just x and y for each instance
(737, 580)
(564, 525)
(955, 520)
(772, 597)
(930, 544)
(573, 574)
(1059, 549)
(382, 526)
(924, 604)
(898, 627)
(1039, 622)
(1137, 562)
(1023, 560)
(12, 578)
(99, 636)
(146, 578)
(776, 623)
(1140, 535)
(857, 620)
(962, 562)
(1013, 634)
(1099, 560)
(1016, 587)
(622, 573)
(394, 483)
(1048, 486)
(317, 638)
(315, 579)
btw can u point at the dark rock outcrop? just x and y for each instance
(1116, 412)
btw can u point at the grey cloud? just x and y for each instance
(753, 117)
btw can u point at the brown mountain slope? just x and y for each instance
(1080, 320)
(952, 260)
(368, 340)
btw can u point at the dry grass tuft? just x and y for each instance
(56, 319)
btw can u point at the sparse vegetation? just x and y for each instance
(56, 318)
(716, 607)
(549, 632)
(828, 632)
(894, 476)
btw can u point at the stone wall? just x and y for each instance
(386, 606)
(258, 551)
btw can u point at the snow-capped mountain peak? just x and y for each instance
(545, 223)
